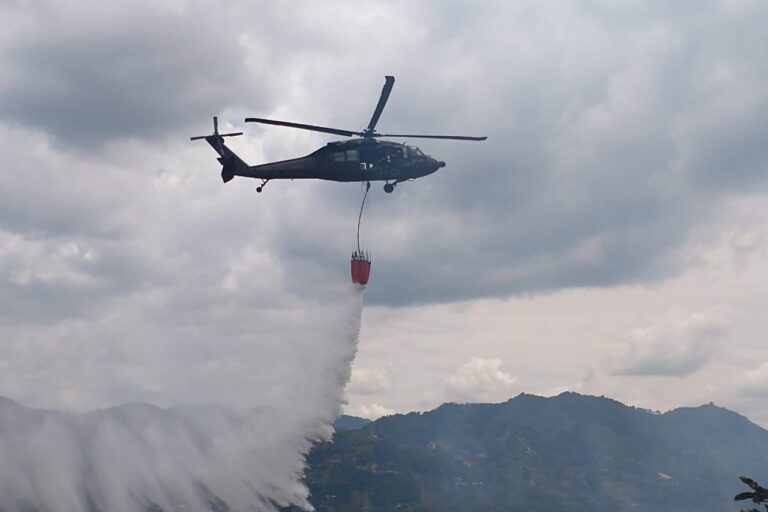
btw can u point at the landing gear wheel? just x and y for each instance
(389, 188)
(259, 189)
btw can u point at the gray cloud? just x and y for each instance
(89, 73)
(601, 158)
(594, 173)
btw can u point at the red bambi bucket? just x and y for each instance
(361, 269)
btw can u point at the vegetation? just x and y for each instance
(758, 494)
(566, 453)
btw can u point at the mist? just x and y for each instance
(247, 453)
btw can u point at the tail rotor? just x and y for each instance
(216, 135)
(226, 158)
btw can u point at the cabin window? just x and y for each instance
(338, 157)
(405, 152)
(352, 155)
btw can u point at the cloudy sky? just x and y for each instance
(610, 237)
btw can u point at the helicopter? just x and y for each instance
(364, 158)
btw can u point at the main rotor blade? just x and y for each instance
(200, 137)
(389, 81)
(450, 137)
(311, 127)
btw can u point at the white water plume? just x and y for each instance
(139, 457)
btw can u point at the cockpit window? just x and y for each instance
(412, 151)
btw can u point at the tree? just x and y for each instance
(758, 495)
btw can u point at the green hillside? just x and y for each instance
(565, 453)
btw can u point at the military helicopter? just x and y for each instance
(363, 159)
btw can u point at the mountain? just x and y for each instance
(565, 453)
(345, 422)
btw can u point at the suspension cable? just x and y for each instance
(360, 216)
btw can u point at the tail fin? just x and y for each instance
(231, 164)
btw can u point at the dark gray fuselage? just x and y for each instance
(364, 159)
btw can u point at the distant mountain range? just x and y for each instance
(566, 453)
(346, 422)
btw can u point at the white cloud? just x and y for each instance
(29, 262)
(675, 348)
(756, 380)
(369, 381)
(480, 380)
(369, 411)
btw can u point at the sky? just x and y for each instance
(609, 237)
